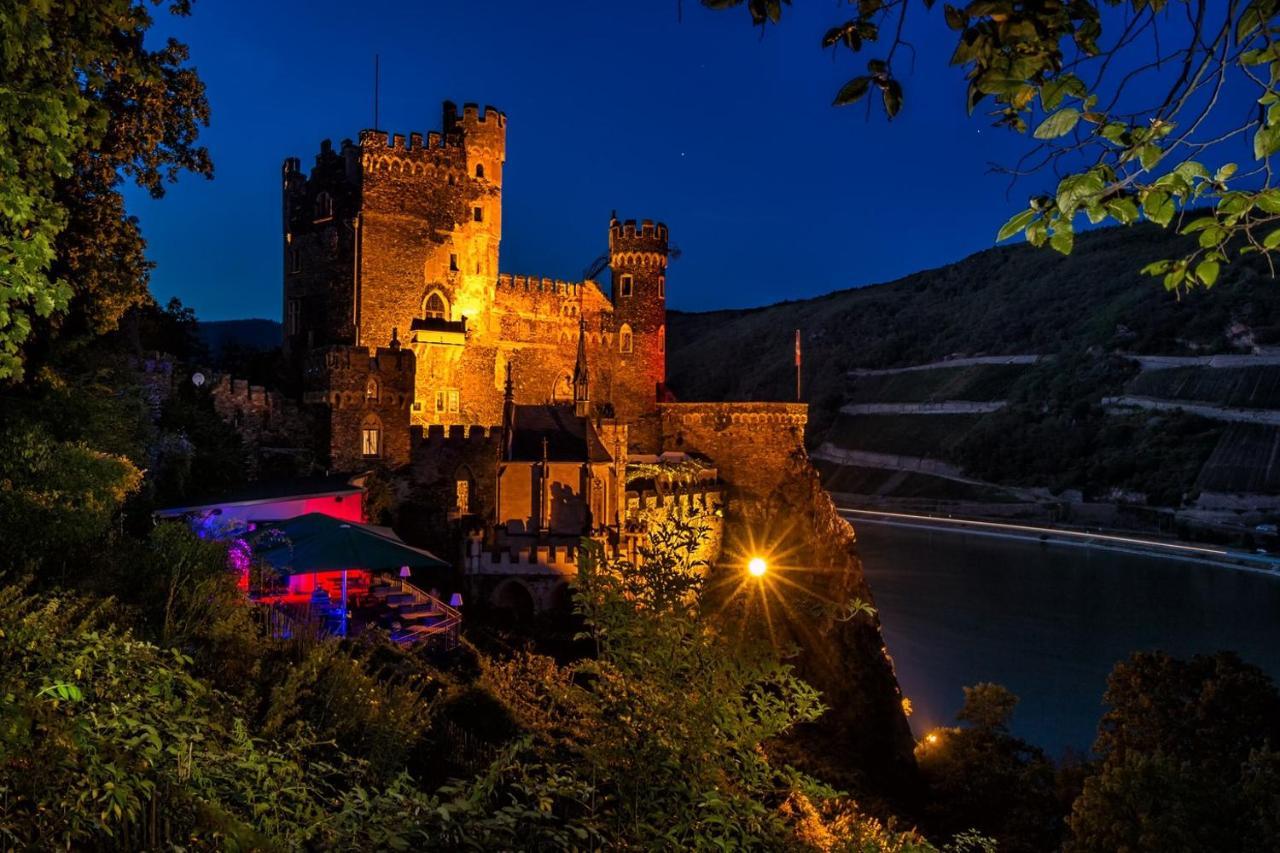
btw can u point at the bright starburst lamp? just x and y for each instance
(757, 567)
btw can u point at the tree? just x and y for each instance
(1079, 76)
(980, 776)
(1188, 759)
(84, 104)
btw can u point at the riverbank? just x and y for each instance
(1264, 564)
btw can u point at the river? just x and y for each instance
(1049, 621)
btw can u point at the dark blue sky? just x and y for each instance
(730, 138)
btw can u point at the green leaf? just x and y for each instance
(1063, 241)
(1015, 224)
(1123, 209)
(1224, 172)
(1149, 155)
(1271, 240)
(1158, 207)
(1266, 141)
(1207, 272)
(852, 91)
(1059, 124)
(1268, 201)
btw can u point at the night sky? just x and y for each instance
(730, 138)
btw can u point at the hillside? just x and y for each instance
(1064, 421)
(1006, 300)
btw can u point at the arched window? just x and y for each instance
(371, 390)
(625, 287)
(662, 339)
(435, 306)
(662, 287)
(624, 338)
(479, 170)
(324, 206)
(371, 437)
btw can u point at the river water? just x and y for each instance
(1049, 621)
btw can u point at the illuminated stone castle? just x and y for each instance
(521, 412)
(393, 243)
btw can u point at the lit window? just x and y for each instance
(463, 496)
(478, 214)
(447, 401)
(626, 286)
(624, 339)
(371, 390)
(371, 441)
(324, 206)
(479, 170)
(435, 307)
(662, 339)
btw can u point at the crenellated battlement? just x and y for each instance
(547, 559)
(378, 141)
(472, 115)
(540, 284)
(439, 435)
(646, 234)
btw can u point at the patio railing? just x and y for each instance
(422, 617)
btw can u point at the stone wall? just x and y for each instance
(778, 507)
(751, 443)
(352, 389)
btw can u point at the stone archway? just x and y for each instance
(513, 599)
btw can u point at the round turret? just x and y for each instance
(638, 266)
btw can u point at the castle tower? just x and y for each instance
(378, 228)
(482, 136)
(638, 266)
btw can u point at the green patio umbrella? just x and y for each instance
(316, 542)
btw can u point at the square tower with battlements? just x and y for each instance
(395, 240)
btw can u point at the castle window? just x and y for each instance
(370, 441)
(662, 339)
(293, 317)
(453, 263)
(447, 401)
(478, 214)
(463, 497)
(662, 287)
(435, 307)
(625, 287)
(371, 390)
(479, 170)
(624, 338)
(295, 261)
(324, 206)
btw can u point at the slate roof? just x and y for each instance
(569, 438)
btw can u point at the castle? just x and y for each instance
(535, 407)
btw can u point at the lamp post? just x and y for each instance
(757, 567)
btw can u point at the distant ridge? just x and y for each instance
(254, 334)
